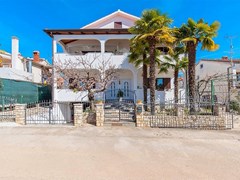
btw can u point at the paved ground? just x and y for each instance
(118, 153)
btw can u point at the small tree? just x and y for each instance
(87, 73)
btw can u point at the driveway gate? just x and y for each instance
(47, 112)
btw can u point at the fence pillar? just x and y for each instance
(139, 111)
(78, 114)
(221, 110)
(99, 114)
(20, 111)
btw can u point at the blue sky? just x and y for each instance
(26, 19)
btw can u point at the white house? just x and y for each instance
(16, 67)
(107, 37)
(221, 71)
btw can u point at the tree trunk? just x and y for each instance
(176, 91)
(191, 47)
(176, 85)
(91, 100)
(152, 70)
(145, 83)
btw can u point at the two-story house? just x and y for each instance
(108, 37)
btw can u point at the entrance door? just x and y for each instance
(115, 86)
(113, 90)
(125, 86)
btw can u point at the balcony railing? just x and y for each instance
(115, 59)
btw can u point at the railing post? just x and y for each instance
(78, 114)
(20, 114)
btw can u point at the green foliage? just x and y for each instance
(120, 93)
(235, 106)
(199, 32)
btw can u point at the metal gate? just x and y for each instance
(119, 111)
(47, 112)
(7, 106)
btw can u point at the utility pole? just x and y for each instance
(231, 52)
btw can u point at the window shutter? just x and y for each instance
(167, 83)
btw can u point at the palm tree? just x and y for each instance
(153, 27)
(192, 34)
(177, 62)
(138, 56)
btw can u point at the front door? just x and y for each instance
(125, 88)
(123, 85)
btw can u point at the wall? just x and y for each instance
(23, 91)
(210, 68)
(109, 23)
(37, 74)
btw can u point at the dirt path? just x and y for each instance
(118, 153)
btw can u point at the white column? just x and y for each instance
(54, 76)
(102, 46)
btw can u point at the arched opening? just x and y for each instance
(81, 46)
(117, 46)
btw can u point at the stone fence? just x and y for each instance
(219, 120)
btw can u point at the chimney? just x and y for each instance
(36, 56)
(15, 52)
(29, 65)
(225, 58)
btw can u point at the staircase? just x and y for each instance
(119, 114)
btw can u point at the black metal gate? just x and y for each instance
(119, 111)
(47, 112)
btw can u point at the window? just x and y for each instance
(201, 66)
(238, 76)
(162, 84)
(159, 84)
(117, 25)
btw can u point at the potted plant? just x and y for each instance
(120, 94)
(139, 101)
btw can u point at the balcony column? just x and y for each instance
(54, 76)
(102, 46)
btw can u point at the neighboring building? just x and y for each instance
(16, 67)
(221, 71)
(108, 37)
(5, 59)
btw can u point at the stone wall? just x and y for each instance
(78, 115)
(99, 114)
(220, 120)
(89, 117)
(20, 113)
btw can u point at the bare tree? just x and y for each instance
(86, 73)
(203, 85)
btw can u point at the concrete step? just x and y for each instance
(121, 123)
(111, 118)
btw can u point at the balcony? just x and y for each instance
(119, 60)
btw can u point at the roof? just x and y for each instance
(52, 32)
(112, 15)
(236, 61)
(91, 29)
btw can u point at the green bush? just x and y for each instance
(235, 106)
